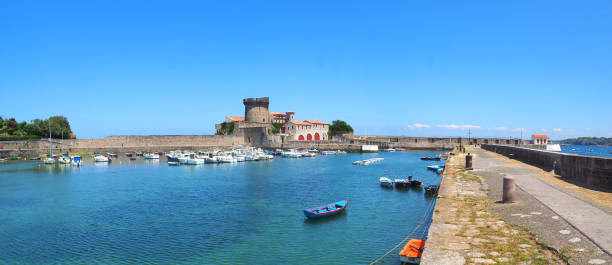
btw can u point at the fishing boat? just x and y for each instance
(388, 150)
(445, 156)
(428, 158)
(431, 188)
(328, 152)
(139, 154)
(412, 251)
(128, 154)
(409, 182)
(386, 182)
(173, 163)
(35, 158)
(326, 210)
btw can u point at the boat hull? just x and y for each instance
(326, 210)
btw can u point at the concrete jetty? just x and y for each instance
(550, 220)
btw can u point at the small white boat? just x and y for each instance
(212, 160)
(195, 161)
(389, 150)
(228, 159)
(173, 163)
(49, 161)
(292, 153)
(63, 160)
(101, 159)
(151, 156)
(386, 182)
(328, 152)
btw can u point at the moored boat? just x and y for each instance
(100, 158)
(431, 188)
(326, 210)
(151, 156)
(426, 158)
(409, 182)
(386, 182)
(412, 251)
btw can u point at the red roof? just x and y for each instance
(542, 136)
(300, 123)
(316, 122)
(277, 113)
(236, 118)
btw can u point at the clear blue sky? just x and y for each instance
(399, 68)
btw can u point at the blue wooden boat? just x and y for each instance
(326, 210)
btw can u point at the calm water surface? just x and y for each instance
(134, 212)
(588, 150)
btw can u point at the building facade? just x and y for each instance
(539, 139)
(307, 130)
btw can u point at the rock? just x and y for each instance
(494, 253)
(597, 261)
(565, 232)
(475, 254)
(574, 240)
(524, 245)
(484, 261)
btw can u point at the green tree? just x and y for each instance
(227, 128)
(277, 127)
(340, 127)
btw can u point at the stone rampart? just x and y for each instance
(589, 170)
(128, 143)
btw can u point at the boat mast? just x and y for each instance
(50, 153)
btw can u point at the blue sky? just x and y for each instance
(386, 67)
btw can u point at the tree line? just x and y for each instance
(11, 129)
(588, 141)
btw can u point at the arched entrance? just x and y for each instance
(317, 137)
(309, 137)
(301, 138)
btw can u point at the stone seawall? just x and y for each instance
(120, 143)
(589, 170)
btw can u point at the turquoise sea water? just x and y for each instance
(588, 150)
(135, 212)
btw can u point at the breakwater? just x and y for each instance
(579, 169)
(122, 143)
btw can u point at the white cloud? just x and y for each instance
(501, 128)
(455, 126)
(419, 125)
(559, 130)
(518, 129)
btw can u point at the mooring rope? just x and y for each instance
(430, 208)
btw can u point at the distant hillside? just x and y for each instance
(588, 141)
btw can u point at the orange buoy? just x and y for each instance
(412, 251)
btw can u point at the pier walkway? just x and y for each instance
(577, 226)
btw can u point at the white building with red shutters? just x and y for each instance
(539, 139)
(307, 130)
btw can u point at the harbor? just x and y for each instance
(138, 210)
